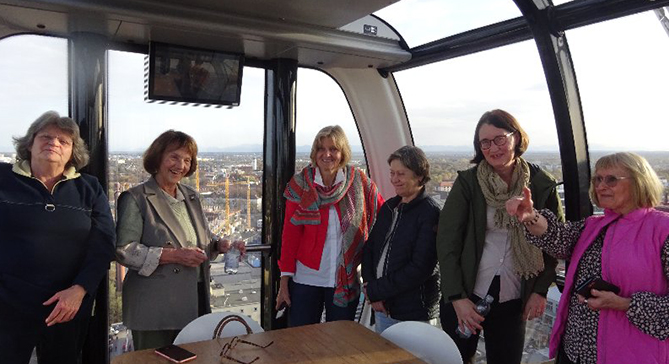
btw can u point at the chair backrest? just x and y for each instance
(202, 328)
(425, 341)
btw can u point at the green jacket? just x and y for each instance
(461, 234)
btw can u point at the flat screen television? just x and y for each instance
(184, 74)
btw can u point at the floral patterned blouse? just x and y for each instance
(648, 311)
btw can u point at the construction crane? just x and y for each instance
(248, 202)
(227, 205)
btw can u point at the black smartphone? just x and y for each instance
(175, 353)
(598, 284)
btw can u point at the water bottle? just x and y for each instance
(482, 307)
(232, 260)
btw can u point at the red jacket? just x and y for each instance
(305, 242)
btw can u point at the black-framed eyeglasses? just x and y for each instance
(609, 180)
(498, 140)
(226, 350)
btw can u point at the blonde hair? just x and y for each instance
(647, 188)
(336, 133)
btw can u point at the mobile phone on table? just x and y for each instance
(596, 283)
(175, 353)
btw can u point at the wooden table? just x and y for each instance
(339, 342)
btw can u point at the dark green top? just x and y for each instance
(462, 228)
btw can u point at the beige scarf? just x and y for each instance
(528, 260)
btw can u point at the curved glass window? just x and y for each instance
(439, 19)
(445, 100)
(320, 103)
(33, 79)
(622, 79)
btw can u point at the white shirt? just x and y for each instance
(497, 260)
(326, 275)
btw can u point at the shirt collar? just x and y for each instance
(318, 178)
(23, 168)
(180, 196)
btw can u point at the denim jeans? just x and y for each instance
(308, 302)
(382, 322)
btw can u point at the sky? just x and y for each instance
(620, 66)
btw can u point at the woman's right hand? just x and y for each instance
(465, 309)
(190, 257)
(521, 207)
(283, 297)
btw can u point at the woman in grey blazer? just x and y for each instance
(164, 240)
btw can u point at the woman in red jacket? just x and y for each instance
(330, 210)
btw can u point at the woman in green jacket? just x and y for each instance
(482, 250)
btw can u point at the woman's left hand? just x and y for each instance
(535, 307)
(605, 300)
(69, 301)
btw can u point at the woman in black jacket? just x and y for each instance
(400, 258)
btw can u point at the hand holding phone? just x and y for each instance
(598, 284)
(175, 353)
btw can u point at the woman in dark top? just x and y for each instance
(56, 238)
(399, 262)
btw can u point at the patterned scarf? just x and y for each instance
(356, 198)
(528, 260)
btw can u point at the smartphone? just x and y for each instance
(175, 353)
(598, 284)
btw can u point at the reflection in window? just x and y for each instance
(444, 101)
(229, 176)
(320, 103)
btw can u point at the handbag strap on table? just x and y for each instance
(224, 321)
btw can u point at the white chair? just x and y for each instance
(202, 328)
(425, 341)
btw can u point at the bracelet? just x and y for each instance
(534, 220)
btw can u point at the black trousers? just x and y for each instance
(20, 333)
(503, 329)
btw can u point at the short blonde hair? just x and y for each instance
(336, 133)
(647, 188)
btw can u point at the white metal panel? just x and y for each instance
(379, 113)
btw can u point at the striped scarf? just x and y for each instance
(356, 198)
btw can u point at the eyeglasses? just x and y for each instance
(46, 138)
(609, 180)
(226, 350)
(498, 140)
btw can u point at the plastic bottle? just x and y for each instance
(232, 260)
(482, 307)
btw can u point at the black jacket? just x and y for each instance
(409, 286)
(51, 241)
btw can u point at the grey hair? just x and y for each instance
(80, 156)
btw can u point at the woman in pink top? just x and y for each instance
(628, 246)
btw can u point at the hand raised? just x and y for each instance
(521, 206)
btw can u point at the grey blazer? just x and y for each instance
(165, 298)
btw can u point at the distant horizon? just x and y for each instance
(358, 150)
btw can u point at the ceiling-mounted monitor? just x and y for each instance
(193, 75)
